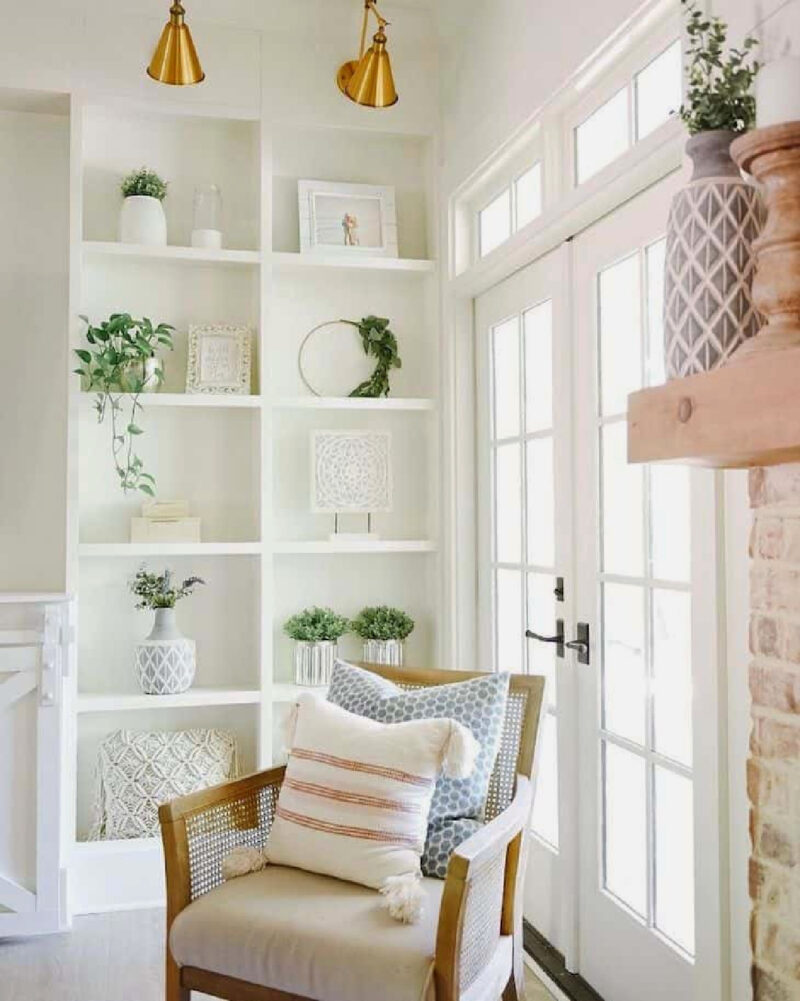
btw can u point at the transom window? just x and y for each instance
(651, 97)
(516, 205)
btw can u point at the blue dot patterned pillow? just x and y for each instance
(479, 704)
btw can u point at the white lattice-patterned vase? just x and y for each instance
(313, 662)
(709, 264)
(166, 660)
(384, 652)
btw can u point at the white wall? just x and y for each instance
(501, 59)
(34, 245)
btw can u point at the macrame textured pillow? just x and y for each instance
(356, 794)
(138, 771)
(478, 704)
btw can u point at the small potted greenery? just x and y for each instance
(166, 660)
(121, 360)
(316, 633)
(383, 630)
(142, 219)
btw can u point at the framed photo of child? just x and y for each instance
(356, 219)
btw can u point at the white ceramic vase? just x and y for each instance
(142, 220)
(166, 660)
(384, 652)
(313, 662)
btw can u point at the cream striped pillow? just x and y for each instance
(355, 798)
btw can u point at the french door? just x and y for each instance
(611, 874)
(525, 539)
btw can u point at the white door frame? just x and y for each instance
(35, 662)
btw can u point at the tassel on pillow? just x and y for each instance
(460, 752)
(403, 897)
(241, 860)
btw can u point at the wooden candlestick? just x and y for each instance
(772, 156)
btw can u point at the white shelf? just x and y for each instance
(192, 400)
(120, 846)
(323, 547)
(170, 549)
(353, 403)
(189, 255)
(288, 693)
(96, 703)
(283, 261)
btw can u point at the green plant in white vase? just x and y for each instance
(120, 361)
(166, 660)
(714, 219)
(142, 218)
(316, 632)
(383, 630)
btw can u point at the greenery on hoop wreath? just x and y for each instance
(378, 341)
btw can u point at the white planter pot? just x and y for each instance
(313, 662)
(166, 660)
(142, 220)
(384, 652)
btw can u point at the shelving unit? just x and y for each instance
(158, 549)
(304, 262)
(241, 461)
(97, 703)
(188, 255)
(366, 547)
(351, 403)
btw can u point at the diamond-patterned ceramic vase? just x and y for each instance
(166, 660)
(713, 221)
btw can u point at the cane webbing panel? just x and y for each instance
(482, 913)
(211, 833)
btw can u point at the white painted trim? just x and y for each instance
(542, 975)
(16, 897)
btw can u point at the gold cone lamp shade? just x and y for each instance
(368, 80)
(175, 59)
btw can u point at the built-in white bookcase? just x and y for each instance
(243, 462)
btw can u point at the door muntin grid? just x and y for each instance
(523, 522)
(644, 594)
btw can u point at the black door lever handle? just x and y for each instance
(558, 639)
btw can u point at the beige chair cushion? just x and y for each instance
(310, 935)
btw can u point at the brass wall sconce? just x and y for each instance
(368, 80)
(175, 59)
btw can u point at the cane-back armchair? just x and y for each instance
(286, 935)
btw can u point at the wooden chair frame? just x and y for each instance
(482, 897)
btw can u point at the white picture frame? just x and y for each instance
(219, 359)
(351, 472)
(324, 208)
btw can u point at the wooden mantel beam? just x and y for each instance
(746, 413)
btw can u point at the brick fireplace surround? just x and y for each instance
(773, 768)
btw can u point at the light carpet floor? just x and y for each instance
(106, 957)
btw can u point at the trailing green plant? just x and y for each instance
(379, 341)
(382, 623)
(719, 91)
(114, 366)
(316, 625)
(144, 182)
(155, 590)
